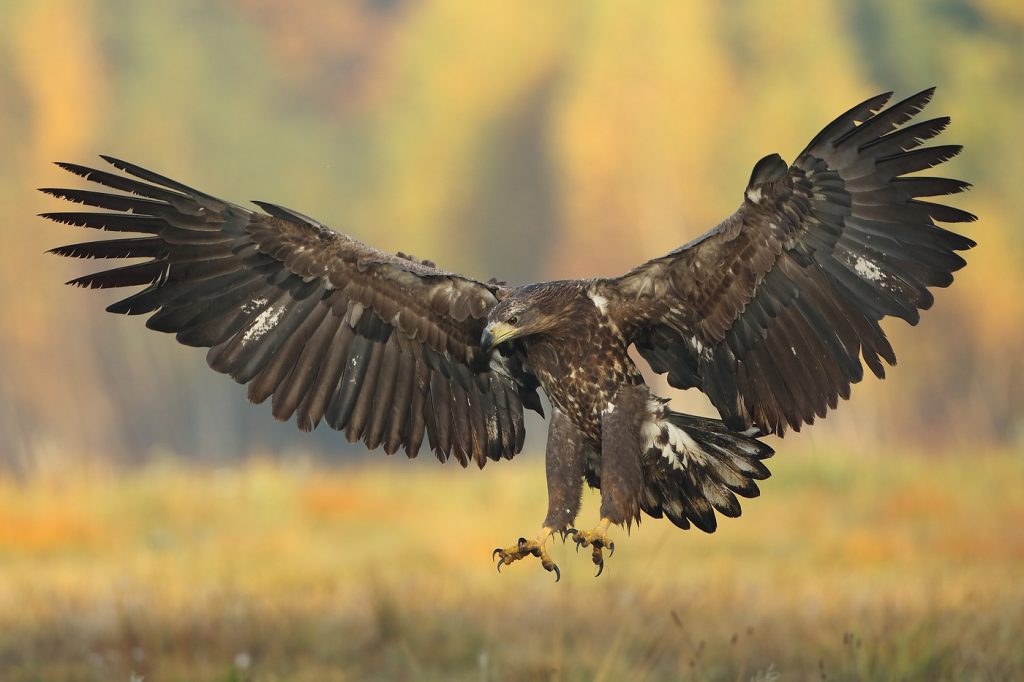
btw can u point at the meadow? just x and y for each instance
(849, 567)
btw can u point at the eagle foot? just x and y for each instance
(598, 539)
(524, 548)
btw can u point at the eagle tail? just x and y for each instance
(696, 466)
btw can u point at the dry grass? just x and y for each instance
(848, 568)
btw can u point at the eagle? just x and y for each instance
(773, 314)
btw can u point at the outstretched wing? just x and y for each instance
(771, 312)
(383, 347)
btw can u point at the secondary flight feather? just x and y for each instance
(773, 314)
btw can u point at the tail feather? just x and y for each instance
(697, 466)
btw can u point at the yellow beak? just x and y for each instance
(495, 333)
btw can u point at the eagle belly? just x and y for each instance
(582, 374)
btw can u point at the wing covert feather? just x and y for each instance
(383, 346)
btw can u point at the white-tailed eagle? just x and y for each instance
(773, 314)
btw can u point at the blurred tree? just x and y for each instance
(47, 379)
(521, 140)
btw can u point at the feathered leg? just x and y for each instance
(565, 488)
(622, 476)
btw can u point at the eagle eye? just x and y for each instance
(513, 320)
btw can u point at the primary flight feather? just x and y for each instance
(772, 314)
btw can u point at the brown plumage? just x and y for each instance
(770, 314)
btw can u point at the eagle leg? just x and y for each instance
(564, 467)
(622, 477)
(524, 548)
(598, 539)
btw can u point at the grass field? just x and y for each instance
(849, 567)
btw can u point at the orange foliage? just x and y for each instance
(195, 566)
(58, 528)
(627, 129)
(65, 92)
(334, 499)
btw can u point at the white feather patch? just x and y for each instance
(754, 194)
(600, 301)
(868, 269)
(493, 429)
(679, 449)
(254, 304)
(266, 321)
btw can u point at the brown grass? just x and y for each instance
(848, 568)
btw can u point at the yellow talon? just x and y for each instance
(598, 538)
(524, 547)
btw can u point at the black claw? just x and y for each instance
(600, 568)
(611, 548)
(522, 549)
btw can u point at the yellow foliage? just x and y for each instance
(59, 72)
(381, 571)
(636, 84)
(417, 124)
(66, 87)
(457, 68)
(629, 129)
(992, 288)
(1009, 13)
(651, 94)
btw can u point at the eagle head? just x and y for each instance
(528, 310)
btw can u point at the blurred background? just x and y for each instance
(151, 521)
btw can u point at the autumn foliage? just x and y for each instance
(517, 140)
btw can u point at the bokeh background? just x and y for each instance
(153, 523)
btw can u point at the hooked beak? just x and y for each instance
(495, 333)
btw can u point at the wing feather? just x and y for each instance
(314, 356)
(314, 405)
(440, 426)
(405, 383)
(383, 347)
(420, 412)
(384, 395)
(775, 312)
(364, 392)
